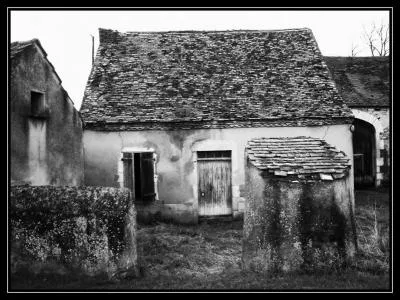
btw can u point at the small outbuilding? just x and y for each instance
(299, 203)
(168, 114)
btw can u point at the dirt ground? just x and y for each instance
(208, 257)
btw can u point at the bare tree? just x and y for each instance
(354, 51)
(377, 39)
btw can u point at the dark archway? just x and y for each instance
(364, 154)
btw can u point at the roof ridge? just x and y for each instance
(29, 43)
(210, 31)
(33, 40)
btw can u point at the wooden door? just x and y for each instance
(214, 189)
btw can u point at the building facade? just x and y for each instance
(168, 114)
(364, 84)
(45, 128)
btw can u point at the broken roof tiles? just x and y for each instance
(300, 157)
(200, 79)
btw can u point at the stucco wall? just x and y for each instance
(176, 159)
(286, 222)
(60, 135)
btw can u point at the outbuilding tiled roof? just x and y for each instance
(362, 81)
(298, 157)
(210, 79)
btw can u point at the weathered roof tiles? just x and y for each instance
(300, 157)
(362, 81)
(151, 80)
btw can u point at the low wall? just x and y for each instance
(87, 229)
(292, 225)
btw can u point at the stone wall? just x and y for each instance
(91, 230)
(292, 225)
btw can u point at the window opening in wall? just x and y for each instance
(139, 175)
(212, 155)
(38, 104)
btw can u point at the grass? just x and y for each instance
(208, 257)
(372, 223)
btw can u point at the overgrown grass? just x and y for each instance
(208, 257)
(372, 223)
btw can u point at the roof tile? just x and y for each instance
(161, 80)
(362, 81)
(324, 161)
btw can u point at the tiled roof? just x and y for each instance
(143, 80)
(19, 47)
(362, 81)
(298, 157)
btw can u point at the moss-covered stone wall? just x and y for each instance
(86, 229)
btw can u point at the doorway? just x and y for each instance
(214, 183)
(364, 148)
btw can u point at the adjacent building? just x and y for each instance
(364, 84)
(45, 137)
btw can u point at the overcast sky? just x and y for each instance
(65, 35)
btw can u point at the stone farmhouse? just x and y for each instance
(169, 115)
(364, 84)
(45, 136)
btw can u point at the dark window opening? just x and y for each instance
(139, 170)
(38, 105)
(138, 175)
(214, 155)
